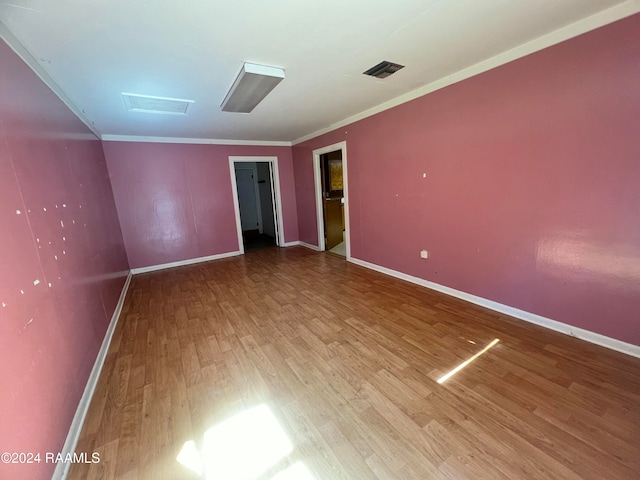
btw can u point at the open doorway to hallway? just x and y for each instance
(253, 180)
(256, 202)
(333, 202)
(331, 199)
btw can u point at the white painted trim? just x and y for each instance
(345, 194)
(592, 337)
(272, 187)
(317, 180)
(273, 161)
(195, 141)
(299, 243)
(311, 246)
(181, 263)
(604, 17)
(236, 206)
(317, 187)
(33, 64)
(62, 468)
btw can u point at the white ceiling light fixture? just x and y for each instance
(162, 105)
(254, 82)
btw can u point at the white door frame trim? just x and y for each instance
(273, 161)
(345, 193)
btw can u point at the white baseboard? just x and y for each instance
(302, 244)
(291, 244)
(310, 245)
(62, 468)
(191, 261)
(592, 337)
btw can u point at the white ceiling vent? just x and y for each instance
(162, 105)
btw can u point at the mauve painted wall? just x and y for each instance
(175, 200)
(50, 335)
(532, 194)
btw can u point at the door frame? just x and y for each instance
(277, 197)
(317, 180)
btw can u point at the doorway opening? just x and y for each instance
(256, 200)
(332, 204)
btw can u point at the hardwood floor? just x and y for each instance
(347, 360)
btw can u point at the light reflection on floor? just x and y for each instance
(243, 448)
(190, 457)
(447, 376)
(297, 471)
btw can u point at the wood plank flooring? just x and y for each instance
(347, 360)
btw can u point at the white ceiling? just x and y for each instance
(193, 49)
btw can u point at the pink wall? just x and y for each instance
(532, 195)
(175, 200)
(49, 335)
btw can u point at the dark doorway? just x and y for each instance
(255, 201)
(333, 201)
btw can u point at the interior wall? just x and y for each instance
(62, 264)
(175, 200)
(523, 183)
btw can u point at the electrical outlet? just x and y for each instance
(424, 254)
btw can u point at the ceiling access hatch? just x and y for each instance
(161, 105)
(383, 69)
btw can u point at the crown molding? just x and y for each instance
(196, 141)
(600, 19)
(610, 15)
(33, 64)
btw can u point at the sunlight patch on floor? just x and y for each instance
(190, 457)
(297, 471)
(242, 448)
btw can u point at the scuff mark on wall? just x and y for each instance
(26, 325)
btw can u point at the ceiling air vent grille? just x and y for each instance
(383, 69)
(162, 105)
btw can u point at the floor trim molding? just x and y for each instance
(300, 243)
(190, 261)
(291, 244)
(62, 468)
(310, 245)
(577, 332)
